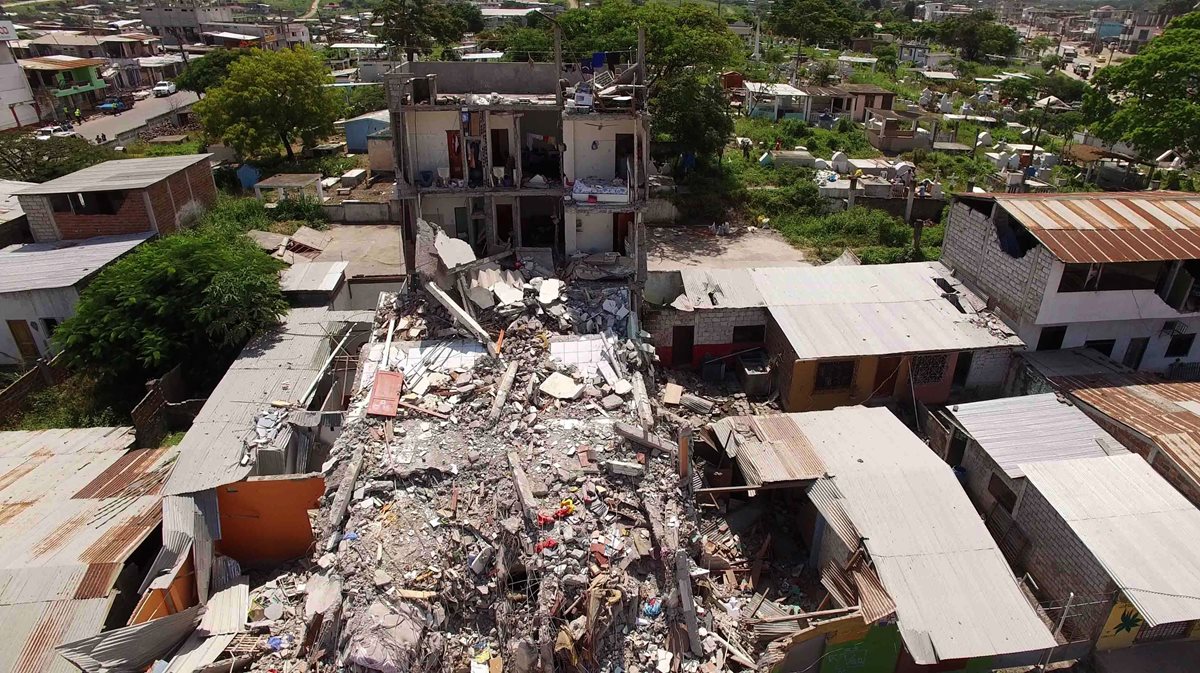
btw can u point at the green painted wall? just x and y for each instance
(877, 653)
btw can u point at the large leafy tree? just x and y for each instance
(271, 98)
(24, 157)
(690, 109)
(417, 26)
(197, 295)
(813, 21)
(977, 34)
(208, 71)
(1152, 101)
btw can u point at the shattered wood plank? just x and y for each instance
(524, 492)
(385, 393)
(461, 317)
(643, 438)
(683, 568)
(506, 384)
(341, 501)
(416, 595)
(431, 412)
(642, 401)
(672, 393)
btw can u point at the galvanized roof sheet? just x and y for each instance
(59, 62)
(1032, 429)
(42, 266)
(74, 504)
(275, 367)
(1164, 411)
(770, 450)
(313, 276)
(1102, 227)
(131, 648)
(721, 288)
(10, 207)
(117, 175)
(1144, 533)
(955, 596)
(774, 89)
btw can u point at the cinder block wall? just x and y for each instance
(972, 249)
(713, 330)
(1060, 564)
(988, 369)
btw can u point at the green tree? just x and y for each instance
(812, 21)
(364, 99)
(417, 26)
(689, 109)
(24, 157)
(470, 14)
(1039, 44)
(1064, 87)
(528, 44)
(208, 71)
(910, 9)
(1152, 100)
(976, 35)
(1051, 62)
(1018, 90)
(269, 98)
(198, 296)
(889, 57)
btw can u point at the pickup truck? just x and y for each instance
(61, 131)
(163, 88)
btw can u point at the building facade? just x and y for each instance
(17, 105)
(1111, 272)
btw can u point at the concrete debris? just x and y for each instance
(524, 510)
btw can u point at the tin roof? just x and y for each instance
(278, 366)
(74, 504)
(10, 207)
(313, 277)
(774, 89)
(117, 175)
(59, 62)
(1102, 227)
(1164, 411)
(1032, 429)
(769, 450)
(43, 266)
(1141, 530)
(955, 596)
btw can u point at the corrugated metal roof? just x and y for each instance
(118, 174)
(59, 62)
(1032, 429)
(768, 449)
(74, 503)
(131, 648)
(10, 207)
(721, 288)
(1102, 227)
(1161, 410)
(955, 596)
(1144, 533)
(199, 651)
(851, 330)
(227, 608)
(1072, 362)
(276, 367)
(770, 464)
(772, 89)
(42, 266)
(313, 276)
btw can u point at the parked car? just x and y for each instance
(115, 105)
(1084, 70)
(60, 131)
(163, 88)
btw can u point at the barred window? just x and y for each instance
(929, 369)
(834, 375)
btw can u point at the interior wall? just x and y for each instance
(427, 131)
(264, 520)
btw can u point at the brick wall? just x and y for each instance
(40, 377)
(988, 369)
(1061, 564)
(713, 330)
(972, 249)
(41, 220)
(164, 208)
(132, 217)
(979, 468)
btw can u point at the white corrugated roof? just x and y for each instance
(118, 174)
(74, 504)
(771, 89)
(1033, 429)
(313, 276)
(721, 288)
(955, 596)
(277, 366)
(41, 266)
(10, 207)
(1144, 533)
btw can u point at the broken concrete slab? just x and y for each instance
(625, 468)
(607, 371)
(643, 438)
(550, 290)
(611, 402)
(452, 251)
(561, 386)
(481, 297)
(622, 387)
(507, 294)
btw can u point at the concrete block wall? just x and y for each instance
(988, 369)
(979, 468)
(972, 249)
(40, 216)
(713, 329)
(131, 217)
(1060, 564)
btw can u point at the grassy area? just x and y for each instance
(846, 137)
(141, 148)
(874, 235)
(905, 83)
(78, 402)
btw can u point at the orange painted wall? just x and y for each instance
(182, 591)
(264, 520)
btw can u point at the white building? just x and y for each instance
(40, 285)
(1112, 272)
(16, 98)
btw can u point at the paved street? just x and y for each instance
(114, 125)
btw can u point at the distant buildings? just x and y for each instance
(192, 22)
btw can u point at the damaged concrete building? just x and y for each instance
(524, 155)
(834, 335)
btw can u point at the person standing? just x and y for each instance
(78, 115)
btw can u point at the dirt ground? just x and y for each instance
(685, 247)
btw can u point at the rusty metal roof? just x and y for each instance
(771, 450)
(1164, 411)
(1110, 227)
(74, 504)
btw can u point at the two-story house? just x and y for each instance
(64, 83)
(491, 154)
(1113, 272)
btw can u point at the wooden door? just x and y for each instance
(23, 337)
(454, 150)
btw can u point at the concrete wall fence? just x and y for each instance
(42, 376)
